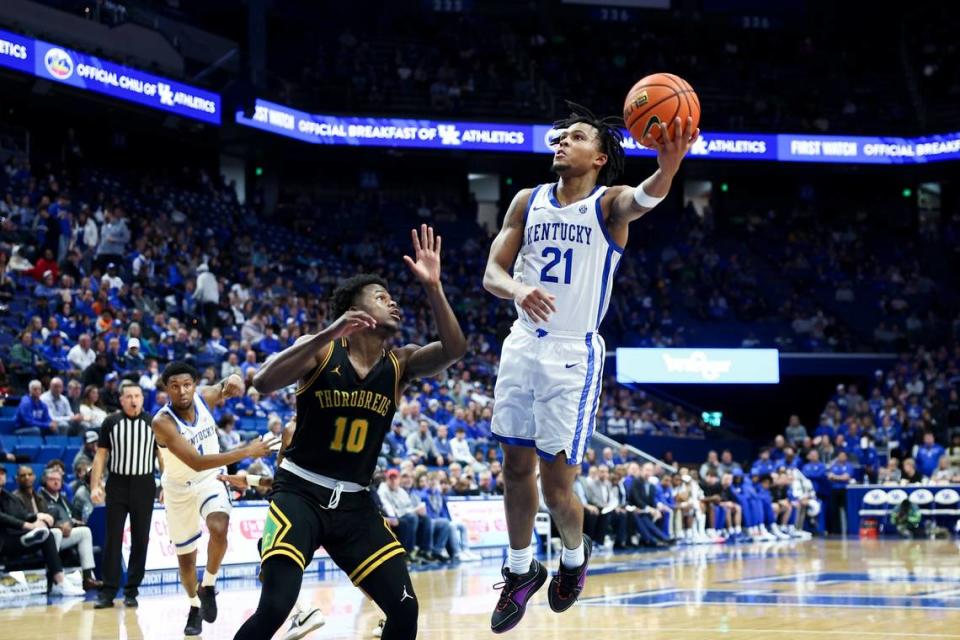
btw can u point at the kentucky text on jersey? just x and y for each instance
(199, 436)
(562, 231)
(372, 401)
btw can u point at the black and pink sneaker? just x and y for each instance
(567, 584)
(516, 592)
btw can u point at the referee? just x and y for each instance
(127, 439)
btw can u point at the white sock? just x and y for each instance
(194, 601)
(209, 578)
(519, 560)
(737, 530)
(572, 558)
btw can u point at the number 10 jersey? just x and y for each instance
(343, 419)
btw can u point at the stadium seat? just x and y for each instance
(11, 474)
(30, 441)
(59, 441)
(7, 425)
(48, 453)
(31, 451)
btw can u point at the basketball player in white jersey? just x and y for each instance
(186, 434)
(563, 242)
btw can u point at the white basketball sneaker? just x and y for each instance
(303, 622)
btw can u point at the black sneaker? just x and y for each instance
(208, 603)
(567, 583)
(516, 592)
(130, 602)
(194, 623)
(103, 603)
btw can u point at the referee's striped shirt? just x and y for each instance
(130, 442)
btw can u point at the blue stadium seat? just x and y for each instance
(68, 455)
(59, 441)
(31, 451)
(30, 441)
(48, 453)
(11, 475)
(8, 411)
(7, 425)
(38, 468)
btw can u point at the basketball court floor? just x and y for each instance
(816, 589)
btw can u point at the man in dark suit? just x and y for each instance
(643, 496)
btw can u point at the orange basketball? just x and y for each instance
(659, 98)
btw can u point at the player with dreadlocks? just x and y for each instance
(564, 242)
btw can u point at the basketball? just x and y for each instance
(658, 98)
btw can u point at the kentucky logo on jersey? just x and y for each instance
(583, 209)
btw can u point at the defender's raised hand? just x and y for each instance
(426, 248)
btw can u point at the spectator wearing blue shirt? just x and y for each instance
(928, 455)
(868, 458)
(825, 429)
(250, 364)
(816, 472)
(777, 452)
(442, 442)
(839, 474)
(398, 443)
(33, 416)
(790, 458)
(481, 428)
(55, 352)
(270, 343)
(457, 422)
(446, 412)
(763, 466)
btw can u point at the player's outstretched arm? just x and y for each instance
(308, 352)
(167, 436)
(436, 356)
(630, 203)
(503, 253)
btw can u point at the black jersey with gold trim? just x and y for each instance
(343, 419)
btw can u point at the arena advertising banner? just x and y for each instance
(386, 132)
(525, 138)
(246, 527)
(698, 366)
(485, 519)
(89, 73)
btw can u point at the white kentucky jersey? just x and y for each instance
(202, 435)
(568, 252)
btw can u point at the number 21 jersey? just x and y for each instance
(568, 252)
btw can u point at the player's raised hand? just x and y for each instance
(426, 248)
(235, 481)
(537, 303)
(233, 387)
(350, 322)
(672, 149)
(261, 448)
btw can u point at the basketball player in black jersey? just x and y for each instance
(350, 380)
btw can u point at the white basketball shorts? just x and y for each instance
(188, 506)
(547, 392)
